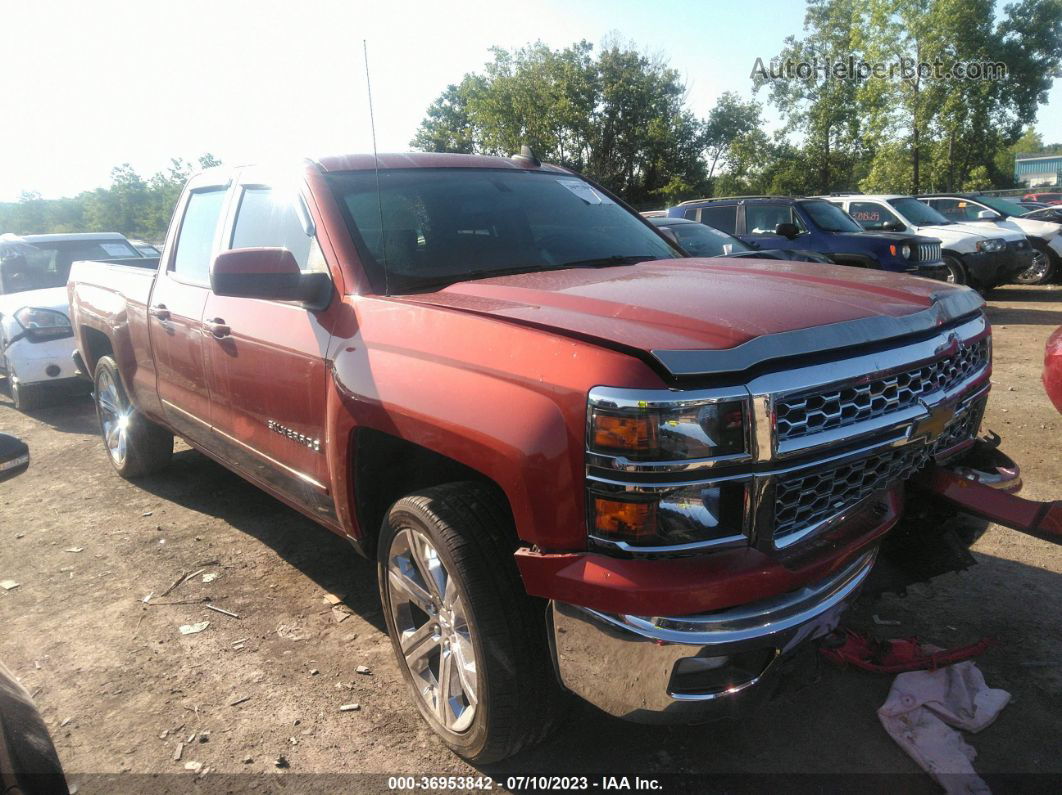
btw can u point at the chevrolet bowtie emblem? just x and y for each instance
(933, 425)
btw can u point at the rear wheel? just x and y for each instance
(135, 445)
(1042, 268)
(470, 642)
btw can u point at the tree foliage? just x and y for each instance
(620, 117)
(132, 205)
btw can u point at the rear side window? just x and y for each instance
(268, 218)
(872, 216)
(721, 218)
(195, 242)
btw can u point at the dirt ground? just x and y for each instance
(120, 687)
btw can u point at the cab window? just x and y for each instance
(195, 241)
(266, 218)
(763, 219)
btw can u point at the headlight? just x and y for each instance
(992, 245)
(653, 432)
(905, 251)
(42, 324)
(687, 430)
(690, 516)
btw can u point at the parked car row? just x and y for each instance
(972, 239)
(36, 340)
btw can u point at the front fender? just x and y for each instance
(504, 400)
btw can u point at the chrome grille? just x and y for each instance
(803, 501)
(963, 427)
(803, 415)
(928, 252)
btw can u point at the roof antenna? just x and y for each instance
(528, 155)
(376, 161)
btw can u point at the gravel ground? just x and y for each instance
(122, 689)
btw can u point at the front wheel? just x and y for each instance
(135, 445)
(956, 270)
(1042, 268)
(469, 640)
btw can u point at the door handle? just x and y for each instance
(160, 311)
(217, 327)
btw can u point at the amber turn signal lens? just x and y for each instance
(628, 520)
(629, 434)
(892, 250)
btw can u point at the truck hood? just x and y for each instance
(693, 306)
(48, 298)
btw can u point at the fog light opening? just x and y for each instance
(52, 370)
(703, 676)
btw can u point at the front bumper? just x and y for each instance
(692, 668)
(41, 362)
(990, 269)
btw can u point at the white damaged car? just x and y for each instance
(36, 341)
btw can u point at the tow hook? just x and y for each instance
(984, 482)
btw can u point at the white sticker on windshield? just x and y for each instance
(585, 192)
(115, 249)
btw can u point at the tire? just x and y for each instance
(463, 534)
(26, 397)
(956, 270)
(135, 445)
(1043, 267)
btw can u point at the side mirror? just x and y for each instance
(14, 456)
(894, 226)
(270, 273)
(988, 215)
(787, 230)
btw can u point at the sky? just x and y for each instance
(91, 84)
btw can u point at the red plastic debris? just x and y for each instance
(897, 655)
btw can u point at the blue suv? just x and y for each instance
(773, 222)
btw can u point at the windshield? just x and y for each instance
(38, 266)
(1001, 205)
(446, 225)
(918, 213)
(829, 217)
(704, 241)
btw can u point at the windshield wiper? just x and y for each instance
(487, 273)
(606, 262)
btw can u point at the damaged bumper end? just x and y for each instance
(693, 668)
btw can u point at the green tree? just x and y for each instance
(814, 101)
(619, 117)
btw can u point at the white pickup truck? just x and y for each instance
(36, 341)
(980, 256)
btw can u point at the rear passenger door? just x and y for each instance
(268, 369)
(175, 313)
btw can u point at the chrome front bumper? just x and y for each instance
(691, 668)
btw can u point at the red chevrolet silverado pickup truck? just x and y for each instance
(583, 461)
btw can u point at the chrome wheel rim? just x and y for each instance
(1035, 272)
(955, 272)
(434, 635)
(114, 418)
